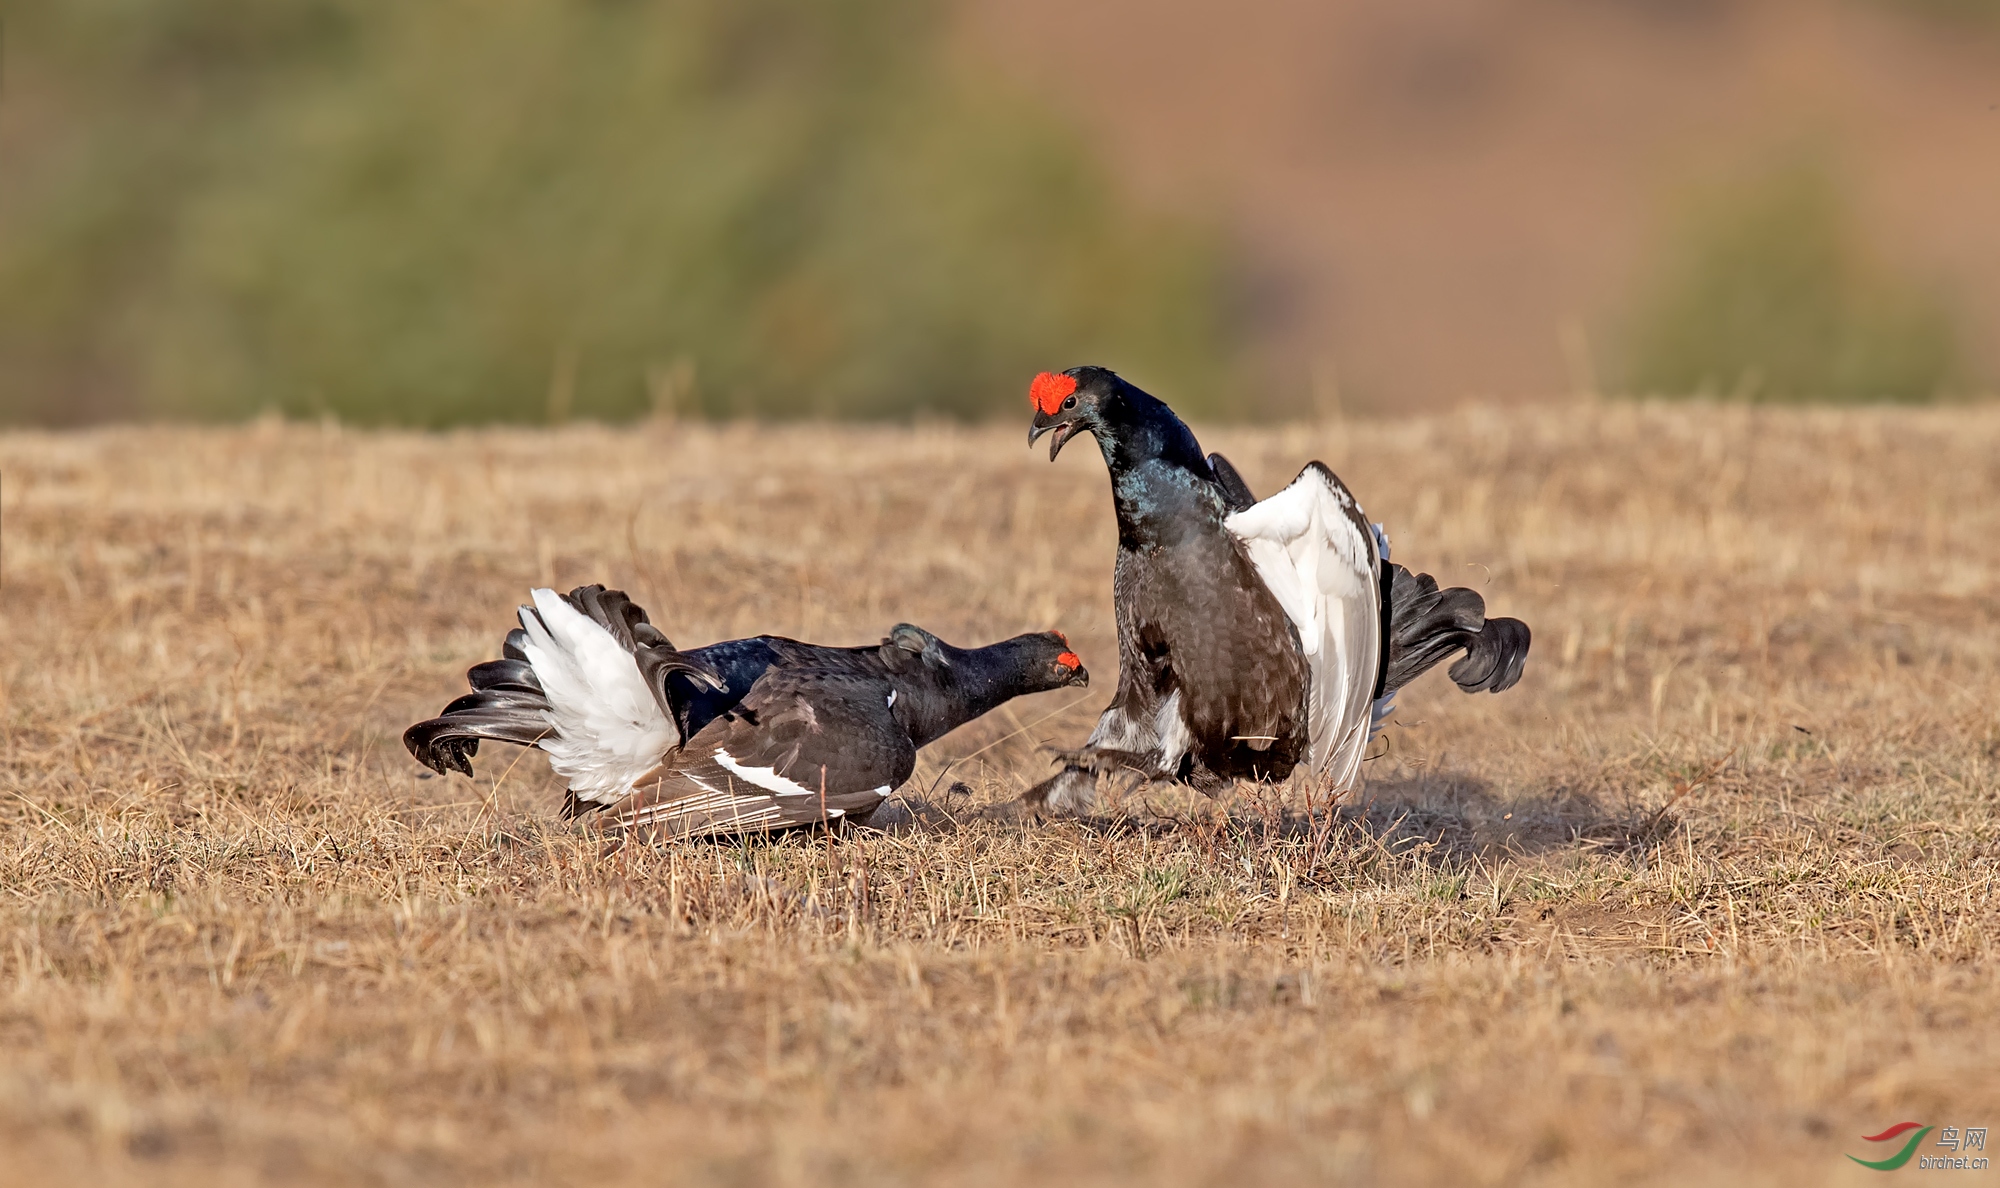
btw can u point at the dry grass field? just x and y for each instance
(1705, 899)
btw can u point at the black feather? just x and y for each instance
(1427, 624)
(614, 611)
(498, 700)
(448, 742)
(1385, 606)
(1235, 491)
(504, 674)
(1496, 659)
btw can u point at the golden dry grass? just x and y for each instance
(243, 939)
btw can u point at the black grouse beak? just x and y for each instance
(1063, 432)
(1072, 666)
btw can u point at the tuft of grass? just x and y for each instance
(1716, 882)
(1764, 293)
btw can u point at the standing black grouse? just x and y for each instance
(1252, 636)
(777, 733)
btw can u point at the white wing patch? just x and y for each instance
(1324, 570)
(734, 810)
(745, 812)
(605, 727)
(766, 778)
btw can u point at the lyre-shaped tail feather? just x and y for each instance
(506, 704)
(1427, 624)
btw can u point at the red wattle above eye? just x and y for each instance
(1049, 390)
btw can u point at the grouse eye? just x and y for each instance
(1070, 403)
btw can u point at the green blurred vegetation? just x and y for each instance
(1766, 294)
(455, 211)
(1963, 12)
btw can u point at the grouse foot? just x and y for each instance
(1111, 761)
(1073, 790)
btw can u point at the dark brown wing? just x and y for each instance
(800, 749)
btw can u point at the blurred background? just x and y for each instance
(453, 211)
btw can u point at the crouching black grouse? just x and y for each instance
(777, 733)
(1252, 636)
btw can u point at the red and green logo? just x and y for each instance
(1894, 1132)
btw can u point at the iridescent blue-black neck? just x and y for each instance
(1161, 484)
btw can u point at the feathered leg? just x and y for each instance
(1123, 743)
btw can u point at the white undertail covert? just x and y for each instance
(606, 729)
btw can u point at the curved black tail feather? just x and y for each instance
(448, 742)
(1495, 659)
(1427, 624)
